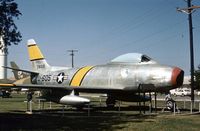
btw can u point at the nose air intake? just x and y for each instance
(177, 77)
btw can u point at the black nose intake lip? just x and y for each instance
(177, 77)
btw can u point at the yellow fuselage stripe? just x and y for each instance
(34, 52)
(79, 75)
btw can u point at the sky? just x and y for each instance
(103, 29)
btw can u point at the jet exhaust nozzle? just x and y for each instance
(177, 77)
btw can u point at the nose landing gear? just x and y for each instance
(170, 103)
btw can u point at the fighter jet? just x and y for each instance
(121, 78)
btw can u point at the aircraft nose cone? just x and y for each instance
(177, 77)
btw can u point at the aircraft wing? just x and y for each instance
(98, 89)
(32, 86)
(133, 89)
(66, 88)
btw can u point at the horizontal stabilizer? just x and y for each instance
(30, 72)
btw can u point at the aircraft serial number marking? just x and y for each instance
(45, 78)
(40, 66)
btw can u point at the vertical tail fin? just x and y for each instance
(36, 57)
(17, 74)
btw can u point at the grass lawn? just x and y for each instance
(163, 123)
(13, 117)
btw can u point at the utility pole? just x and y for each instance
(72, 54)
(189, 10)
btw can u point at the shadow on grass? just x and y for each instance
(70, 120)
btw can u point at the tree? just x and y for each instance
(197, 78)
(8, 29)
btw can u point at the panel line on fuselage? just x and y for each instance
(79, 76)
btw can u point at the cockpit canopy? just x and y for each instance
(133, 58)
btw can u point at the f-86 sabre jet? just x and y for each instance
(121, 79)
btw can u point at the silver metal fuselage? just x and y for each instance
(115, 76)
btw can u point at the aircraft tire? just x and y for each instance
(170, 105)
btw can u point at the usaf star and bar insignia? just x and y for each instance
(60, 77)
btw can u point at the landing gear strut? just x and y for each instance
(29, 96)
(29, 102)
(110, 102)
(170, 103)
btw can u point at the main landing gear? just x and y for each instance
(110, 102)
